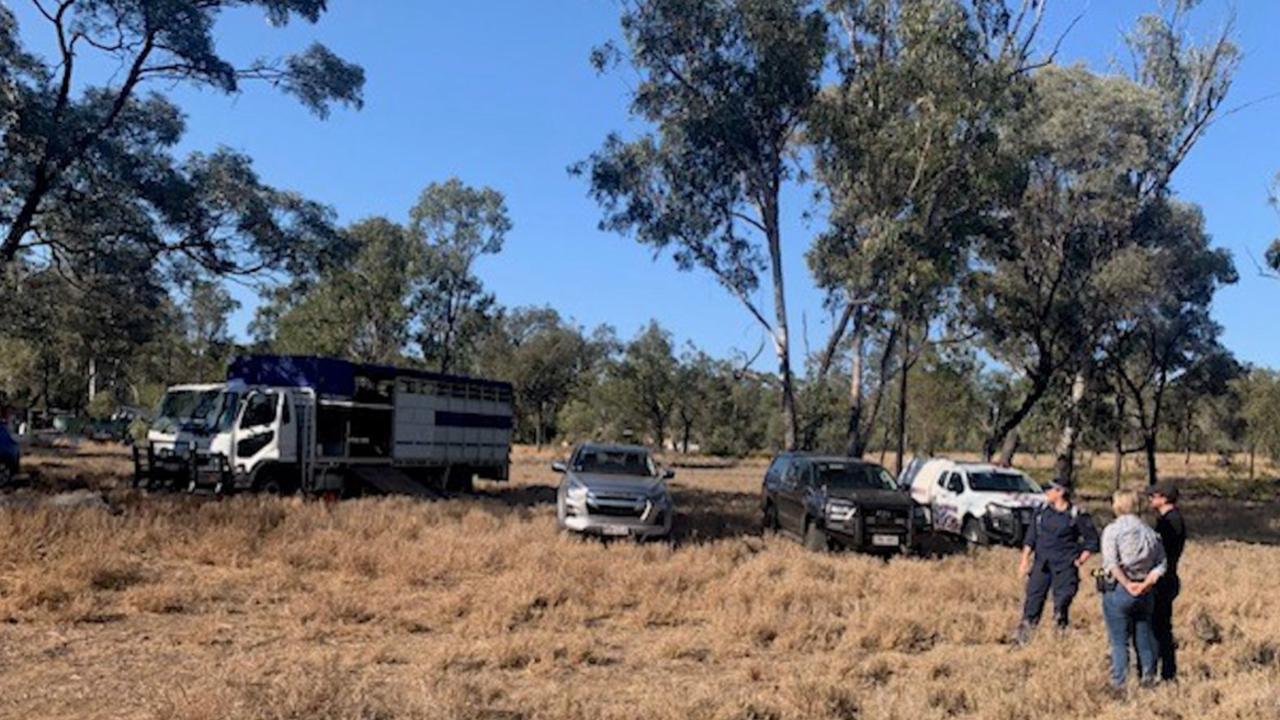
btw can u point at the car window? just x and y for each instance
(615, 462)
(792, 475)
(261, 410)
(943, 479)
(1003, 481)
(854, 476)
(955, 483)
(774, 473)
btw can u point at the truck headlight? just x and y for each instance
(840, 511)
(659, 496)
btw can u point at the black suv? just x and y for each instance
(838, 501)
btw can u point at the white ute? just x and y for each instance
(980, 502)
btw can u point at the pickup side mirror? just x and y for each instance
(668, 473)
(559, 466)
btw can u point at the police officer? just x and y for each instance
(1059, 541)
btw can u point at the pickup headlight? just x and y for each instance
(919, 517)
(659, 496)
(575, 490)
(840, 511)
(1000, 513)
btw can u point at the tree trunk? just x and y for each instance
(1149, 446)
(1119, 440)
(93, 379)
(1000, 436)
(1252, 452)
(781, 341)
(1186, 433)
(1065, 456)
(862, 420)
(1012, 442)
(855, 443)
(538, 436)
(902, 402)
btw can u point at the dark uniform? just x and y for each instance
(1173, 535)
(1056, 539)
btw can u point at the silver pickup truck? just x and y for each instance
(613, 490)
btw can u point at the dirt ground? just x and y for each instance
(167, 606)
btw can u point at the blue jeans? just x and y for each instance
(1130, 617)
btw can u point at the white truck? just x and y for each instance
(979, 502)
(287, 423)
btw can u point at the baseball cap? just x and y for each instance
(1059, 484)
(1165, 489)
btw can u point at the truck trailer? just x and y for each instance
(288, 423)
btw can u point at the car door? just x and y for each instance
(947, 515)
(257, 437)
(791, 497)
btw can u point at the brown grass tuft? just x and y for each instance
(163, 606)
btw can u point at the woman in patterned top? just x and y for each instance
(1133, 560)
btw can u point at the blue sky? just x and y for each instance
(501, 94)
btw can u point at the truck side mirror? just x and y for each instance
(668, 473)
(559, 466)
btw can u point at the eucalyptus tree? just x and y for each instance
(1166, 330)
(723, 89)
(1081, 139)
(81, 149)
(1098, 154)
(648, 372)
(456, 224)
(905, 146)
(357, 310)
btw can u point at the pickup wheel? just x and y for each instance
(815, 538)
(974, 534)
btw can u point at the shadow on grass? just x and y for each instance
(522, 496)
(709, 515)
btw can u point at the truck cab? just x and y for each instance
(979, 502)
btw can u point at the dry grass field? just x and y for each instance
(165, 606)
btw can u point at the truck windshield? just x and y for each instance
(855, 476)
(614, 462)
(186, 407)
(227, 410)
(1002, 482)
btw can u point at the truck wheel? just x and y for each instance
(974, 534)
(460, 482)
(6, 474)
(815, 538)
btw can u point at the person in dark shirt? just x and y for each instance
(1060, 539)
(1173, 535)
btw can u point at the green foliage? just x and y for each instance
(88, 167)
(1260, 395)
(725, 87)
(547, 360)
(356, 311)
(457, 224)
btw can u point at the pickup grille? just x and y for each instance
(890, 520)
(616, 506)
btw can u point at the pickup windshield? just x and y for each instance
(1002, 482)
(854, 476)
(614, 462)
